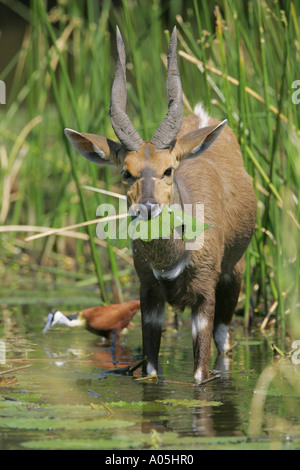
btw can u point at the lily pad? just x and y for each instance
(189, 403)
(171, 402)
(81, 444)
(56, 417)
(46, 423)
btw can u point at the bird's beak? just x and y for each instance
(49, 322)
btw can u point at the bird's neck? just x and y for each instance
(76, 320)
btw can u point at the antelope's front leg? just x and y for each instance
(202, 326)
(152, 309)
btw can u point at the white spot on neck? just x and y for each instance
(171, 274)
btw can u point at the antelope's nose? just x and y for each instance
(148, 210)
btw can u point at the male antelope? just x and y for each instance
(181, 164)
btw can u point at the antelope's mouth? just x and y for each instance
(145, 211)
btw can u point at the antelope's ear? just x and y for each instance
(193, 144)
(97, 149)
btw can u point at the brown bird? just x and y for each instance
(105, 320)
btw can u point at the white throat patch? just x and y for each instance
(172, 273)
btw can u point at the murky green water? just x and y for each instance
(72, 397)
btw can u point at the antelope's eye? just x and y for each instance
(127, 175)
(168, 171)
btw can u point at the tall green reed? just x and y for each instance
(48, 29)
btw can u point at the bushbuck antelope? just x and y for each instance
(182, 164)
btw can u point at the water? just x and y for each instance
(72, 396)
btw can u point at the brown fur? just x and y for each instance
(181, 164)
(210, 277)
(210, 284)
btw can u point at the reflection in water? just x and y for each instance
(201, 419)
(101, 356)
(72, 367)
(153, 391)
(220, 420)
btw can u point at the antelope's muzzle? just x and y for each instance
(146, 211)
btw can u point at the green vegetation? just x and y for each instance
(241, 59)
